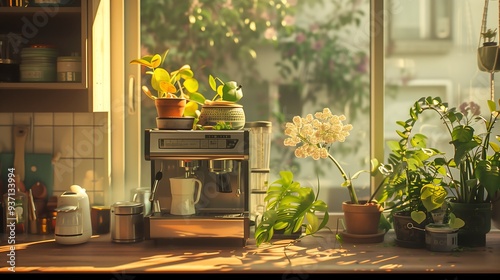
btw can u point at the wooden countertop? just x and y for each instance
(321, 254)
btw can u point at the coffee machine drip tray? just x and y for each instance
(160, 226)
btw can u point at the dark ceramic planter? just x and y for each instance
(477, 218)
(495, 210)
(488, 58)
(409, 234)
(280, 234)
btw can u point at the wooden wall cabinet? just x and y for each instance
(68, 27)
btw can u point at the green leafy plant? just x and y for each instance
(414, 184)
(489, 36)
(471, 175)
(289, 207)
(179, 83)
(477, 169)
(214, 33)
(225, 91)
(222, 126)
(316, 57)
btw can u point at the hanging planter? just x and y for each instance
(488, 51)
(488, 59)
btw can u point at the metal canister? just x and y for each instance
(441, 238)
(127, 222)
(69, 69)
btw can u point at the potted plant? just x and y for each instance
(488, 59)
(313, 135)
(223, 109)
(471, 177)
(176, 88)
(414, 193)
(290, 207)
(487, 54)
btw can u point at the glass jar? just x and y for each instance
(15, 211)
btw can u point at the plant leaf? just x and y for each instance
(418, 216)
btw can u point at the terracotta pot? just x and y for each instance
(170, 107)
(362, 218)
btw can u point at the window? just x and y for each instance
(429, 48)
(292, 58)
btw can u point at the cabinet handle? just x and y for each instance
(131, 96)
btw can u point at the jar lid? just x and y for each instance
(142, 190)
(127, 207)
(221, 104)
(45, 52)
(439, 228)
(41, 46)
(69, 59)
(258, 124)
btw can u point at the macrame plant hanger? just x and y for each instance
(488, 52)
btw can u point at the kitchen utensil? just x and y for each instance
(39, 197)
(33, 220)
(158, 177)
(38, 168)
(20, 134)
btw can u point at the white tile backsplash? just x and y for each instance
(63, 118)
(78, 141)
(23, 118)
(6, 118)
(63, 173)
(83, 141)
(43, 139)
(83, 119)
(63, 141)
(6, 138)
(43, 119)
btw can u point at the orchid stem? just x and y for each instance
(350, 188)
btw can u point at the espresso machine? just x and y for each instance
(217, 158)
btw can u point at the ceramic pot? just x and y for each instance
(495, 210)
(409, 234)
(362, 218)
(488, 58)
(170, 107)
(477, 218)
(228, 113)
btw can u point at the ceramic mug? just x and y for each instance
(184, 195)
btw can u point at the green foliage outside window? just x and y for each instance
(316, 52)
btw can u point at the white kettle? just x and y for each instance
(73, 224)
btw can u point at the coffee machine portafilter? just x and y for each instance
(220, 160)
